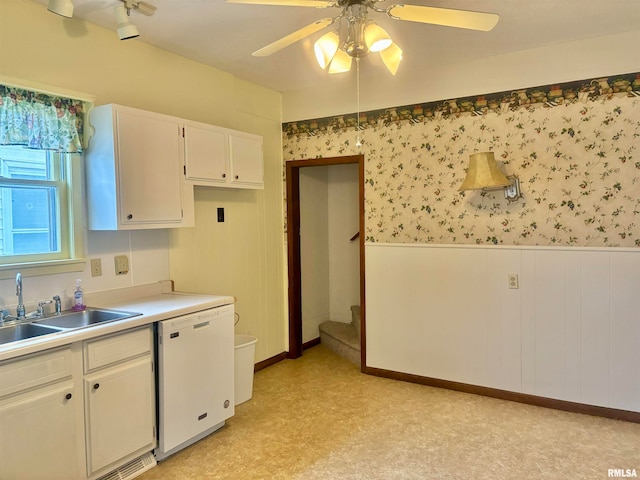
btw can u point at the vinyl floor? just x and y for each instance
(318, 417)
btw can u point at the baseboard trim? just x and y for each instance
(311, 343)
(269, 361)
(538, 401)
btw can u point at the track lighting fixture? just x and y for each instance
(126, 29)
(61, 7)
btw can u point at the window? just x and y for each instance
(34, 223)
(40, 154)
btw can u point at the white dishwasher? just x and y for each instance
(195, 377)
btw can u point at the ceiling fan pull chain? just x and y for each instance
(358, 139)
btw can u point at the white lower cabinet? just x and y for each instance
(120, 414)
(41, 419)
(79, 411)
(119, 395)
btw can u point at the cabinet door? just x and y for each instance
(120, 412)
(247, 166)
(206, 154)
(149, 151)
(38, 437)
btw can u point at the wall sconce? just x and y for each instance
(484, 174)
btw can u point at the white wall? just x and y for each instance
(314, 250)
(569, 332)
(344, 256)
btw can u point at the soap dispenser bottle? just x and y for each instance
(78, 298)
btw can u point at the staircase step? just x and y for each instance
(342, 338)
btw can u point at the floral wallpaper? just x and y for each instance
(573, 147)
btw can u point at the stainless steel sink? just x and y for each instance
(90, 316)
(22, 331)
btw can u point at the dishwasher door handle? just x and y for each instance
(201, 325)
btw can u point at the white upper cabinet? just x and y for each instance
(206, 154)
(222, 157)
(247, 166)
(134, 171)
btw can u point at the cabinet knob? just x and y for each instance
(96, 386)
(224, 175)
(68, 396)
(237, 177)
(130, 216)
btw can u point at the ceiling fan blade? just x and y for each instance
(288, 3)
(293, 37)
(444, 16)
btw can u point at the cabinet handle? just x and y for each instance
(224, 175)
(129, 217)
(96, 386)
(237, 177)
(68, 396)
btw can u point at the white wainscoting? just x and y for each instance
(570, 332)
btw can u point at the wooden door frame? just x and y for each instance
(292, 177)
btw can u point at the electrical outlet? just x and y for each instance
(513, 281)
(122, 264)
(96, 267)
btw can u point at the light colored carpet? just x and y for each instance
(318, 417)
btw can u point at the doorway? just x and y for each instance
(294, 249)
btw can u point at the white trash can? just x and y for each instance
(244, 358)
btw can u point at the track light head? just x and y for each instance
(61, 7)
(126, 29)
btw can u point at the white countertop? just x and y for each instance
(155, 307)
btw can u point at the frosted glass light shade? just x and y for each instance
(61, 7)
(126, 29)
(325, 48)
(376, 38)
(483, 173)
(391, 57)
(341, 62)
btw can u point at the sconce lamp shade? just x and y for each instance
(376, 38)
(483, 173)
(61, 7)
(391, 57)
(325, 48)
(126, 29)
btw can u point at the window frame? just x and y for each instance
(70, 258)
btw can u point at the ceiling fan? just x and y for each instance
(359, 35)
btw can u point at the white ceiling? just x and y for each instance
(224, 35)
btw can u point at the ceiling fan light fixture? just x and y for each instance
(391, 57)
(376, 38)
(61, 7)
(126, 29)
(325, 48)
(341, 62)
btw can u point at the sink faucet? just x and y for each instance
(56, 298)
(20, 311)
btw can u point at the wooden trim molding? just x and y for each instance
(311, 343)
(564, 405)
(269, 361)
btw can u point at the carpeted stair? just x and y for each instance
(343, 338)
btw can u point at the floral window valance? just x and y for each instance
(40, 121)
